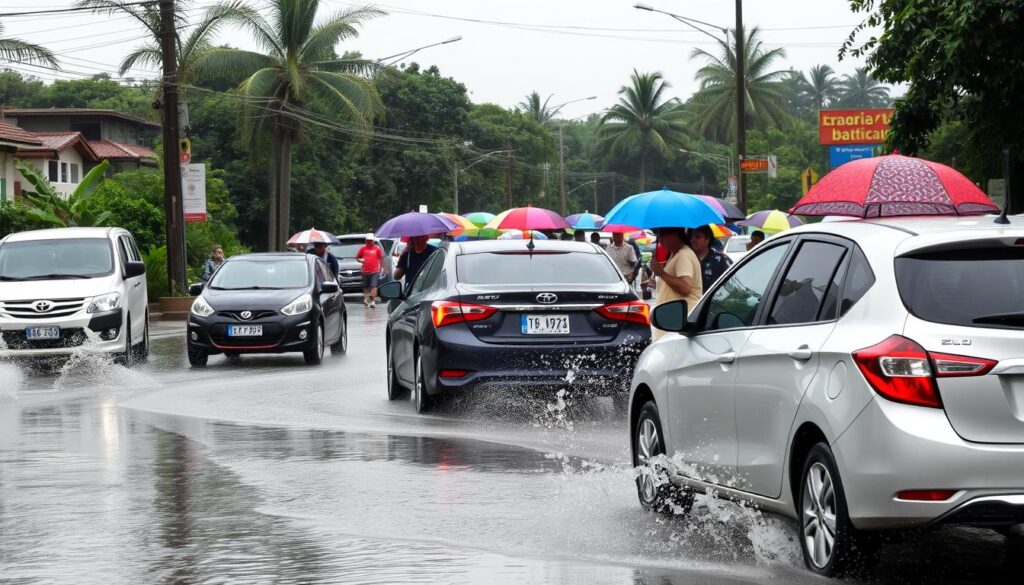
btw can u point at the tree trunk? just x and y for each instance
(284, 191)
(272, 198)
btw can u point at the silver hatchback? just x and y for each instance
(856, 376)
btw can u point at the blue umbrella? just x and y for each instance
(414, 224)
(585, 221)
(663, 209)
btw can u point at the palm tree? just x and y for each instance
(20, 51)
(862, 90)
(50, 207)
(189, 49)
(821, 86)
(537, 110)
(300, 68)
(715, 101)
(643, 121)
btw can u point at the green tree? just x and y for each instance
(540, 111)
(23, 52)
(820, 86)
(50, 207)
(644, 121)
(861, 90)
(715, 101)
(127, 209)
(299, 69)
(98, 91)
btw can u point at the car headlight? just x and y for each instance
(300, 305)
(103, 303)
(201, 308)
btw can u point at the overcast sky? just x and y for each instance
(569, 48)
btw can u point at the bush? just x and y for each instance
(14, 218)
(155, 260)
(130, 211)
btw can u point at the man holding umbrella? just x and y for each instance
(413, 258)
(320, 249)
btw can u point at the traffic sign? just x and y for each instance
(754, 165)
(185, 150)
(840, 155)
(808, 178)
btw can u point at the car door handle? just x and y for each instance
(802, 353)
(727, 358)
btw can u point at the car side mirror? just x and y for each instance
(133, 269)
(328, 288)
(195, 289)
(391, 291)
(670, 316)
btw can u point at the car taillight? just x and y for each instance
(447, 312)
(632, 311)
(901, 370)
(925, 495)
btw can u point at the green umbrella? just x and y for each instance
(479, 218)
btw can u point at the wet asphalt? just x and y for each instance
(268, 470)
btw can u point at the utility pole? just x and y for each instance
(561, 171)
(455, 171)
(741, 123)
(615, 198)
(174, 216)
(508, 170)
(596, 209)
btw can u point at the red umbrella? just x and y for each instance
(529, 218)
(891, 185)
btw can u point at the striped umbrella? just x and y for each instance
(522, 235)
(528, 218)
(771, 221)
(721, 231)
(312, 236)
(728, 210)
(585, 221)
(479, 218)
(461, 223)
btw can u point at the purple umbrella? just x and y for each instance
(729, 211)
(414, 224)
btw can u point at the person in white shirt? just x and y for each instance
(624, 256)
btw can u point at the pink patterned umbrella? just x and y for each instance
(313, 236)
(893, 185)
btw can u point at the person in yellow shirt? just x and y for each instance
(680, 276)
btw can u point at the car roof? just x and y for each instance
(912, 225)
(62, 234)
(271, 256)
(361, 237)
(491, 246)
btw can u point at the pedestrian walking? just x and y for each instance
(212, 263)
(320, 250)
(679, 277)
(624, 256)
(712, 262)
(369, 257)
(413, 258)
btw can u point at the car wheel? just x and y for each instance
(341, 346)
(831, 545)
(395, 390)
(315, 355)
(422, 399)
(142, 352)
(197, 358)
(654, 489)
(125, 358)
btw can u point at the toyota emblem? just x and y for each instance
(547, 298)
(245, 314)
(43, 306)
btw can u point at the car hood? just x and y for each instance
(228, 300)
(56, 289)
(348, 264)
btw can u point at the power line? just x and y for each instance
(67, 10)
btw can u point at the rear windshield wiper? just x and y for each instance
(1008, 318)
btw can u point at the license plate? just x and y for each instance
(34, 333)
(245, 330)
(545, 324)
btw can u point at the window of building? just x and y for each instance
(74, 173)
(89, 130)
(53, 171)
(63, 172)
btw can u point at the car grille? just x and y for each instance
(272, 333)
(27, 309)
(348, 273)
(72, 337)
(256, 315)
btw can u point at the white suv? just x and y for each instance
(70, 288)
(856, 376)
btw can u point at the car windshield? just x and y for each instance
(737, 244)
(972, 288)
(56, 259)
(346, 249)
(538, 268)
(261, 274)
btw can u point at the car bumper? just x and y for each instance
(280, 335)
(81, 332)
(893, 447)
(602, 369)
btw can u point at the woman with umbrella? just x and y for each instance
(679, 278)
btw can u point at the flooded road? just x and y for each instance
(267, 470)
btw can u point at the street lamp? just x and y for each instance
(741, 132)
(712, 158)
(457, 170)
(561, 152)
(406, 54)
(577, 187)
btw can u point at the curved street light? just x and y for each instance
(457, 169)
(561, 153)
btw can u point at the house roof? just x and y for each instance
(76, 112)
(14, 136)
(53, 143)
(115, 151)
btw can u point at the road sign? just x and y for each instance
(193, 191)
(840, 155)
(759, 164)
(866, 126)
(808, 178)
(185, 150)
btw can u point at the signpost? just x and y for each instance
(865, 126)
(759, 164)
(193, 189)
(808, 178)
(840, 155)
